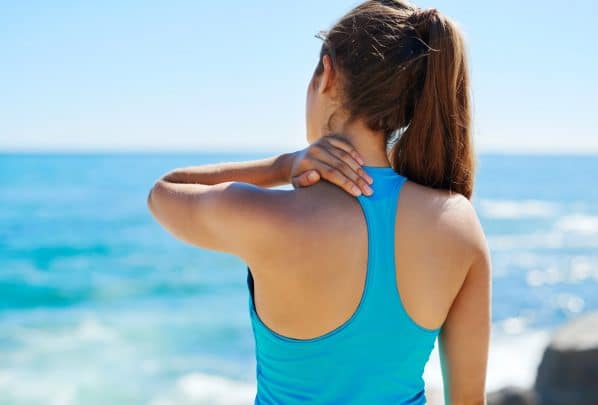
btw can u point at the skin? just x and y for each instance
(286, 236)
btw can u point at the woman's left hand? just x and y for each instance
(334, 159)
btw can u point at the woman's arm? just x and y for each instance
(331, 158)
(268, 172)
(232, 217)
(221, 206)
(465, 336)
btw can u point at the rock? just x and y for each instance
(512, 396)
(568, 372)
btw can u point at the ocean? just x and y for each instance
(99, 305)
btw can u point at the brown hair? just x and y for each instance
(404, 72)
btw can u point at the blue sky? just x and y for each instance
(232, 75)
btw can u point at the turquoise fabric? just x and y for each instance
(375, 357)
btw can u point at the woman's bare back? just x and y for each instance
(312, 279)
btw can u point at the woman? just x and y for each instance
(350, 285)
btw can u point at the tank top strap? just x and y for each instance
(380, 211)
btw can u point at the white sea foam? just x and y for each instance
(513, 209)
(200, 388)
(575, 270)
(19, 387)
(513, 358)
(534, 240)
(87, 331)
(579, 224)
(93, 330)
(575, 231)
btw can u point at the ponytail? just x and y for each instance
(436, 149)
(406, 77)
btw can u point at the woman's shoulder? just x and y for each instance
(442, 215)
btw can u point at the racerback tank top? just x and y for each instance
(377, 356)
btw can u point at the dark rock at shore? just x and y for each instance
(568, 372)
(512, 396)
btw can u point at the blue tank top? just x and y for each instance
(377, 356)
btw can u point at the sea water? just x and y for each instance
(99, 305)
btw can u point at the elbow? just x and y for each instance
(471, 394)
(154, 197)
(150, 200)
(163, 207)
(160, 189)
(172, 210)
(469, 400)
(478, 401)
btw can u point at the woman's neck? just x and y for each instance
(371, 145)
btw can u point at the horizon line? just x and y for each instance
(224, 151)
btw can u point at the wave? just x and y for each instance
(201, 388)
(526, 241)
(507, 347)
(18, 295)
(518, 209)
(578, 223)
(85, 332)
(570, 231)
